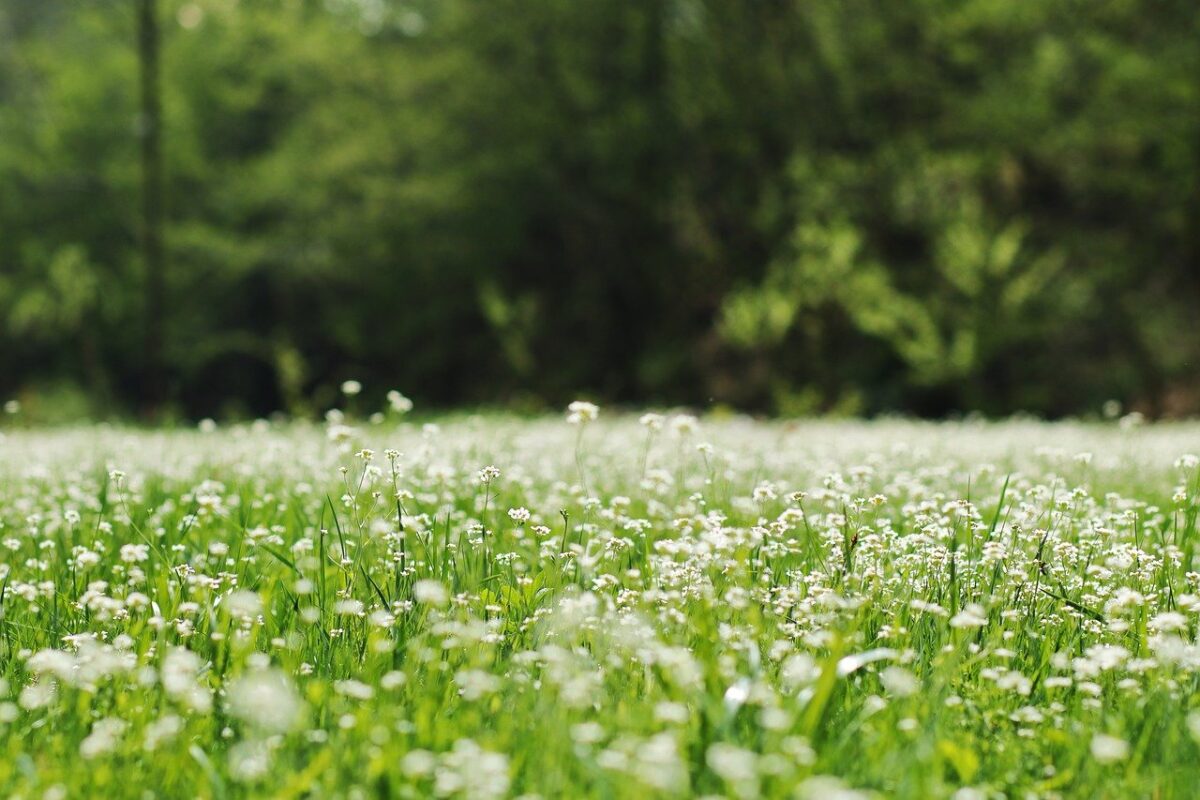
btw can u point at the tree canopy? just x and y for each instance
(785, 205)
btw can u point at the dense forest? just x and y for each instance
(227, 208)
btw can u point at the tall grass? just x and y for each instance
(670, 608)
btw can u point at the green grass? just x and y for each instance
(742, 610)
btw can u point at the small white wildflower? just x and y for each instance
(417, 763)
(1168, 621)
(737, 695)
(798, 670)
(104, 738)
(765, 491)
(37, 695)
(1134, 419)
(135, 553)
(973, 616)
(671, 712)
(684, 424)
(827, 787)
(1015, 682)
(356, 690)
(1109, 749)
(899, 681)
(474, 684)
(242, 603)
(265, 699)
(732, 763)
(349, 607)
(249, 761)
(398, 402)
(652, 421)
(179, 672)
(587, 733)
(857, 661)
(581, 412)
(161, 730)
(393, 680)
(430, 592)
(969, 793)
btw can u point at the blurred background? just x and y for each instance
(929, 207)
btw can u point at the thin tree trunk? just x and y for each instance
(150, 131)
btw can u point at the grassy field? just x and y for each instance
(609, 608)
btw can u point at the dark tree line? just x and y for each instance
(784, 205)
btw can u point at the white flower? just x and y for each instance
(765, 491)
(475, 683)
(351, 388)
(354, 689)
(58, 663)
(1133, 419)
(587, 733)
(826, 787)
(417, 763)
(1015, 682)
(737, 694)
(393, 680)
(340, 434)
(899, 681)
(160, 730)
(399, 403)
(265, 699)
(349, 607)
(1168, 621)
(473, 772)
(249, 760)
(179, 671)
(135, 553)
(857, 661)
(652, 421)
(732, 763)
(242, 603)
(37, 695)
(581, 412)
(659, 764)
(104, 738)
(799, 670)
(430, 592)
(1109, 749)
(973, 616)
(684, 424)
(671, 712)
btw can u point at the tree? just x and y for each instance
(153, 256)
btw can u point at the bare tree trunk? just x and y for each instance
(150, 131)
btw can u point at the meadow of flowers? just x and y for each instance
(600, 606)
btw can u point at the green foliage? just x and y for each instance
(923, 207)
